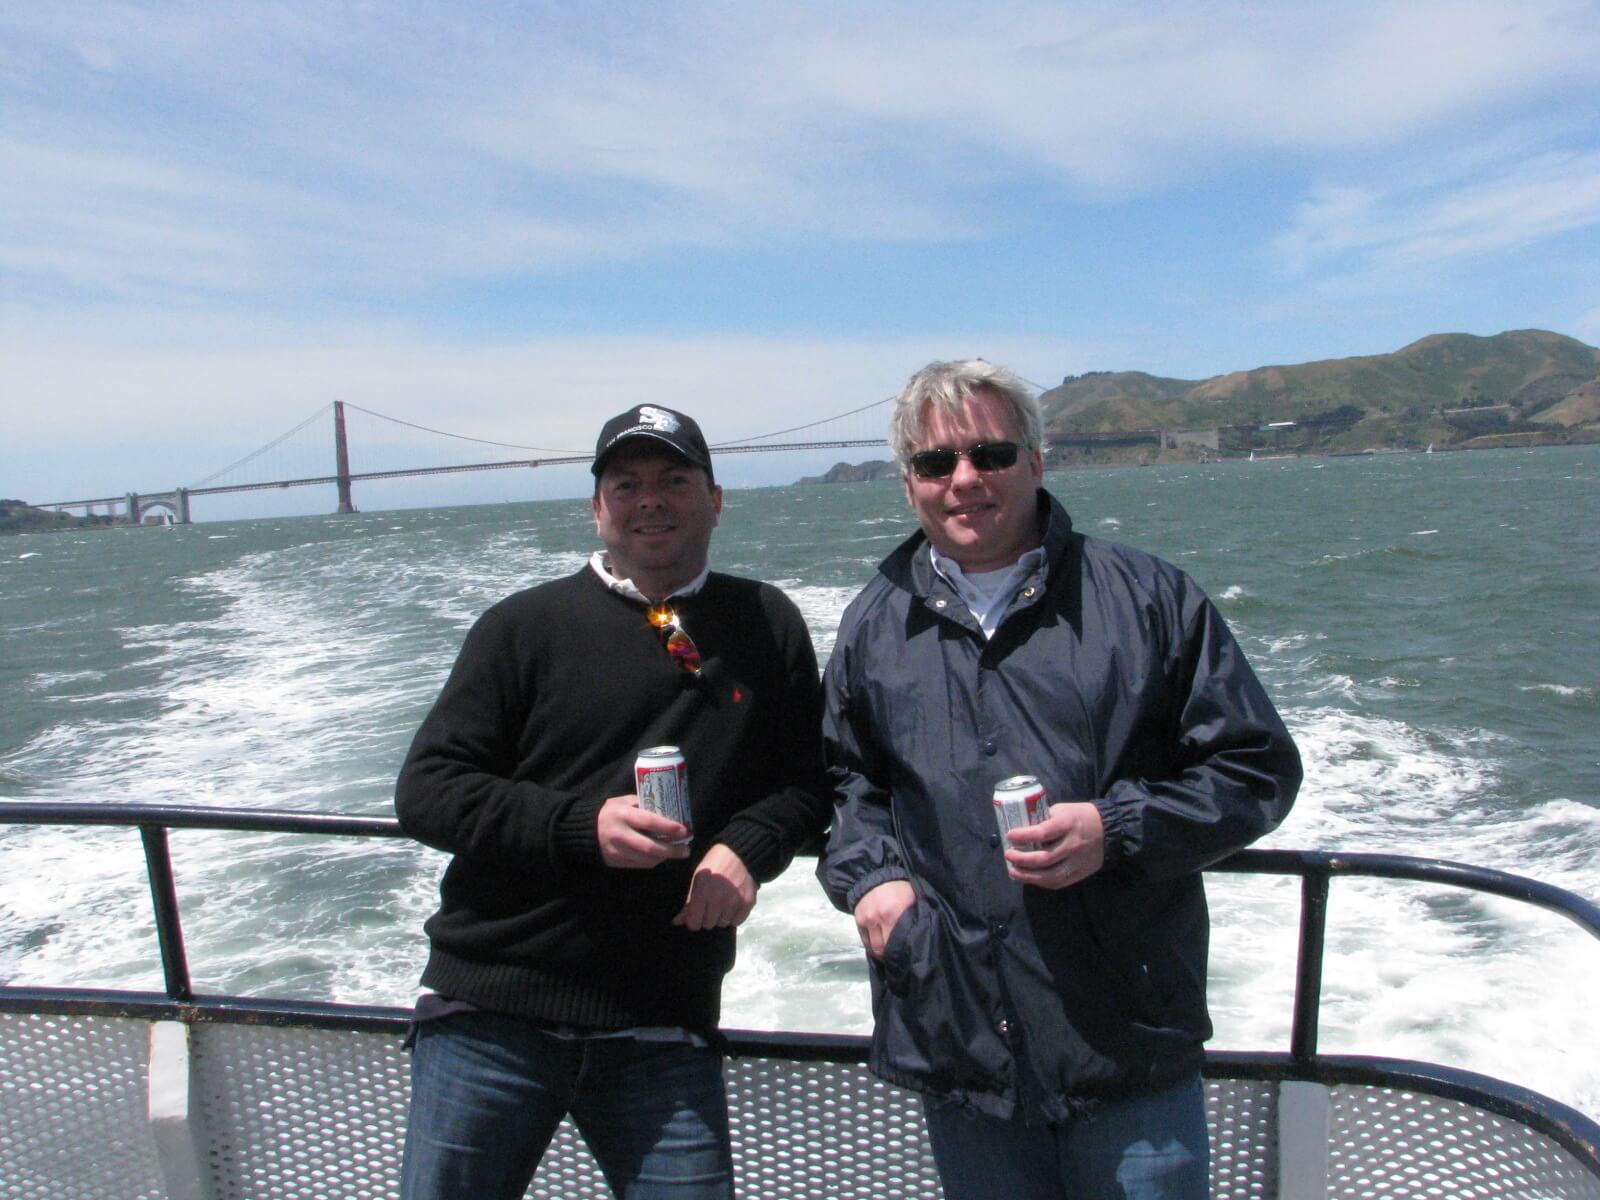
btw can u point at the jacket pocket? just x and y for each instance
(899, 953)
(935, 1021)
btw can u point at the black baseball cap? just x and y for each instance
(665, 425)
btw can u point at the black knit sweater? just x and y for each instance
(554, 693)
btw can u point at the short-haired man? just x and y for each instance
(578, 950)
(1046, 994)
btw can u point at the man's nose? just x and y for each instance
(965, 474)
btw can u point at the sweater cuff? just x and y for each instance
(758, 848)
(575, 834)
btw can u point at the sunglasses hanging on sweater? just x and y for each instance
(678, 643)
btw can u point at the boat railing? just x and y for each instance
(175, 1095)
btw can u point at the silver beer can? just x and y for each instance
(661, 779)
(1019, 801)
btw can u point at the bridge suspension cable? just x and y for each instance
(255, 454)
(737, 442)
(458, 436)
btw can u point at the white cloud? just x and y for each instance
(271, 152)
(1118, 98)
(1374, 232)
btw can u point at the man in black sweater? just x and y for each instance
(578, 951)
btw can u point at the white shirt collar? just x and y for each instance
(625, 587)
(987, 594)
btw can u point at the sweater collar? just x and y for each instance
(625, 587)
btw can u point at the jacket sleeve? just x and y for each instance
(457, 790)
(1228, 771)
(862, 850)
(792, 814)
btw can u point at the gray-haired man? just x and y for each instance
(1045, 993)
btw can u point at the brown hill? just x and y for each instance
(1446, 389)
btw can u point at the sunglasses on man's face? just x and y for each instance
(678, 643)
(985, 456)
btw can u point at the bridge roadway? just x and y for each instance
(178, 498)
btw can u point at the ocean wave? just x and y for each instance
(46, 680)
(822, 607)
(1283, 643)
(1396, 682)
(1566, 690)
(1351, 760)
(1447, 965)
(776, 982)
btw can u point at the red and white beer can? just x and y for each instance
(661, 779)
(1019, 801)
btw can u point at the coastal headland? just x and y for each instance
(1449, 391)
(17, 516)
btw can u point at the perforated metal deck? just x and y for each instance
(285, 1111)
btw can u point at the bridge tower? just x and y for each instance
(341, 454)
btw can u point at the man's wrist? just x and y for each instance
(875, 879)
(575, 834)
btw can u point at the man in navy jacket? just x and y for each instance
(1046, 994)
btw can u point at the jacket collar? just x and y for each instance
(910, 565)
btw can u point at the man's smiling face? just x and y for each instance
(655, 513)
(984, 520)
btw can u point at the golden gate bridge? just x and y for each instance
(175, 502)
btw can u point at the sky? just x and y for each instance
(513, 220)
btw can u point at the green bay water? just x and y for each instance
(1427, 624)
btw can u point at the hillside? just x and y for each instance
(19, 517)
(843, 472)
(1528, 387)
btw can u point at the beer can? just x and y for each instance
(1019, 801)
(661, 779)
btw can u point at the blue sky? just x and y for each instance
(511, 220)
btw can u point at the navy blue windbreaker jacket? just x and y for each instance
(1113, 679)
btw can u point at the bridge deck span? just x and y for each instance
(172, 495)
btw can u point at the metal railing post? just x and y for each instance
(1308, 972)
(169, 928)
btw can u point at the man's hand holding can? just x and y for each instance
(633, 837)
(1067, 847)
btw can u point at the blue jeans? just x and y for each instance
(488, 1091)
(1150, 1148)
